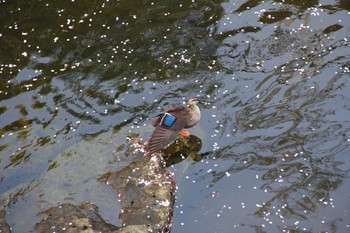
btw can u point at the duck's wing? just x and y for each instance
(163, 135)
(160, 138)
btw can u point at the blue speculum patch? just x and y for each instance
(168, 120)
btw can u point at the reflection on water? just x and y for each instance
(77, 78)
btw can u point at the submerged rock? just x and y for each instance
(182, 148)
(145, 189)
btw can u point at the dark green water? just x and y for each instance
(79, 77)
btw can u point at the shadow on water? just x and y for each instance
(77, 78)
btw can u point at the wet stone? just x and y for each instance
(146, 190)
(4, 226)
(70, 218)
(183, 147)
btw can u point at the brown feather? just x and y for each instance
(162, 135)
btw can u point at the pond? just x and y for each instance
(79, 79)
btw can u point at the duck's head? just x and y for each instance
(193, 101)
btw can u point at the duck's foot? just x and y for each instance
(184, 133)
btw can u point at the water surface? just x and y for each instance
(78, 78)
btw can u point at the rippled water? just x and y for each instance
(79, 77)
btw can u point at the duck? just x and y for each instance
(171, 122)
